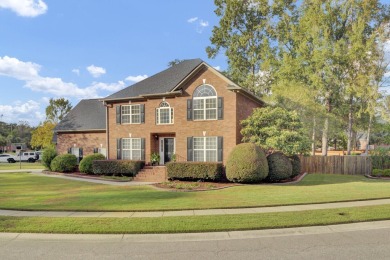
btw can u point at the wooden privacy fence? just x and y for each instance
(351, 165)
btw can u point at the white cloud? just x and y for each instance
(96, 71)
(29, 111)
(193, 19)
(76, 71)
(27, 8)
(217, 68)
(200, 24)
(136, 78)
(203, 23)
(29, 73)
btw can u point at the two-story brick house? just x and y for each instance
(190, 111)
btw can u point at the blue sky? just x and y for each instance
(87, 49)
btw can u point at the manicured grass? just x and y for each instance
(31, 192)
(193, 223)
(25, 165)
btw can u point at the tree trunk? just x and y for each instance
(368, 134)
(325, 137)
(350, 122)
(313, 138)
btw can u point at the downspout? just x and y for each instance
(107, 134)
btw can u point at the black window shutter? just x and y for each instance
(142, 109)
(95, 150)
(220, 148)
(118, 148)
(81, 153)
(220, 108)
(189, 109)
(69, 150)
(118, 114)
(190, 150)
(143, 149)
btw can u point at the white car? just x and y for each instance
(7, 158)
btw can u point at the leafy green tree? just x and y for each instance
(57, 109)
(276, 129)
(174, 62)
(42, 136)
(246, 34)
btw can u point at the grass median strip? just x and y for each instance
(193, 223)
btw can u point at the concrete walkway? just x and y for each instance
(192, 212)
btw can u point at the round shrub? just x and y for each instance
(64, 163)
(86, 163)
(296, 165)
(280, 167)
(247, 163)
(47, 156)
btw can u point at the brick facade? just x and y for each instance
(236, 107)
(85, 140)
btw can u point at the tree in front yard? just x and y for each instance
(42, 136)
(276, 129)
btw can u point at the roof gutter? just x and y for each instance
(247, 93)
(146, 96)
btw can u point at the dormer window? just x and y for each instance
(164, 114)
(205, 103)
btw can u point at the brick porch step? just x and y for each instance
(151, 174)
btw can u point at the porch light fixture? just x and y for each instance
(156, 137)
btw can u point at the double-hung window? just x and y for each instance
(205, 149)
(164, 114)
(205, 103)
(131, 148)
(131, 114)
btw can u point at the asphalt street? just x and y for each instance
(350, 241)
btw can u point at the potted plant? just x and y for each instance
(155, 158)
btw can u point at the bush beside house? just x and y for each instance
(195, 171)
(86, 163)
(280, 167)
(64, 163)
(117, 167)
(247, 163)
(48, 155)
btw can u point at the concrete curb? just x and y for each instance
(140, 238)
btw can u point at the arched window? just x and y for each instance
(205, 103)
(164, 114)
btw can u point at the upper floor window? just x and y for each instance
(131, 114)
(205, 103)
(164, 114)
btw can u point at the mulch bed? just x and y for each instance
(376, 177)
(83, 175)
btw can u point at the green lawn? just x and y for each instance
(193, 223)
(24, 165)
(31, 192)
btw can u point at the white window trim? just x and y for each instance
(205, 149)
(204, 109)
(130, 114)
(131, 148)
(171, 116)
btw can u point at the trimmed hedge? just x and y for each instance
(247, 163)
(381, 173)
(48, 155)
(117, 167)
(64, 163)
(296, 165)
(195, 171)
(280, 167)
(86, 163)
(380, 162)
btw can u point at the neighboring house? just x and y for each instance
(189, 110)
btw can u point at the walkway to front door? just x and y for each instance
(167, 149)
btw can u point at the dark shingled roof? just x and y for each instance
(162, 82)
(88, 114)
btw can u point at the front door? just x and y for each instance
(167, 149)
